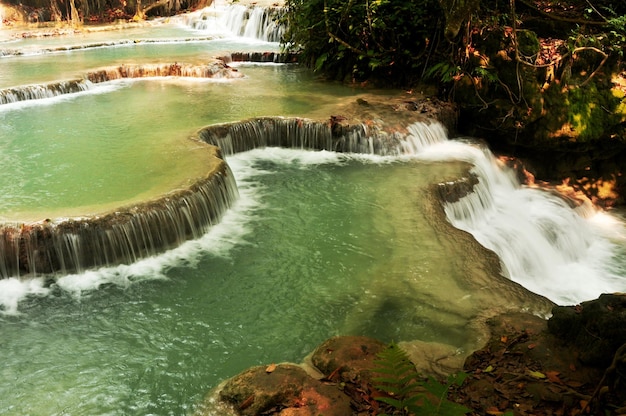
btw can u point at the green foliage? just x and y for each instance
(409, 393)
(356, 40)
(592, 111)
(444, 72)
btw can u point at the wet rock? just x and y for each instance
(286, 390)
(348, 358)
(452, 191)
(596, 327)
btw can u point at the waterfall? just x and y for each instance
(121, 237)
(215, 69)
(543, 243)
(37, 92)
(255, 22)
(302, 133)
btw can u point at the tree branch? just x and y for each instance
(561, 19)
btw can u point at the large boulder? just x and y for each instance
(597, 327)
(286, 390)
(348, 358)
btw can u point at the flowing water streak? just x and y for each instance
(543, 243)
(123, 237)
(213, 70)
(252, 22)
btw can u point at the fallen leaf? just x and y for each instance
(489, 369)
(531, 346)
(270, 368)
(536, 374)
(494, 411)
(553, 376)
(504, 339)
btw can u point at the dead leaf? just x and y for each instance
(489, 369)
(536, 374)
(494, 411)
(553, 376)
(531, 346)
(504, 339)
(270, 368)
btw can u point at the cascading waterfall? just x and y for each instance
(38, 92)
(254, 22)
(121, 237)
(543, 242)
(216, 69)
(302, 134)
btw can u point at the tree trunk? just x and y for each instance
(74, 16)
(56, 14)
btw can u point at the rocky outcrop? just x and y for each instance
(341, 374)
(597, 327)
(284, 389)
(524, 369)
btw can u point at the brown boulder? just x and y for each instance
(285, 390)
(348, 358)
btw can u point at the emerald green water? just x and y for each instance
(311, 251)
(318, 244)
(135, 143)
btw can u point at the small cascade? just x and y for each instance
(543, 242)
(262, 23)
(121, 237)
(262, 57)
(216, 69)
(38, 92)
(301, 134)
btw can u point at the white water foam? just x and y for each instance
(42, 97)
(567, 255)
(250, 22)
(544, 244)
(218, 241)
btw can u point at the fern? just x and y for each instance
(407, 392)
(399, 378)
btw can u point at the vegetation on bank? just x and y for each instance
(78, 12)
(515, 58)
(526, 75)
